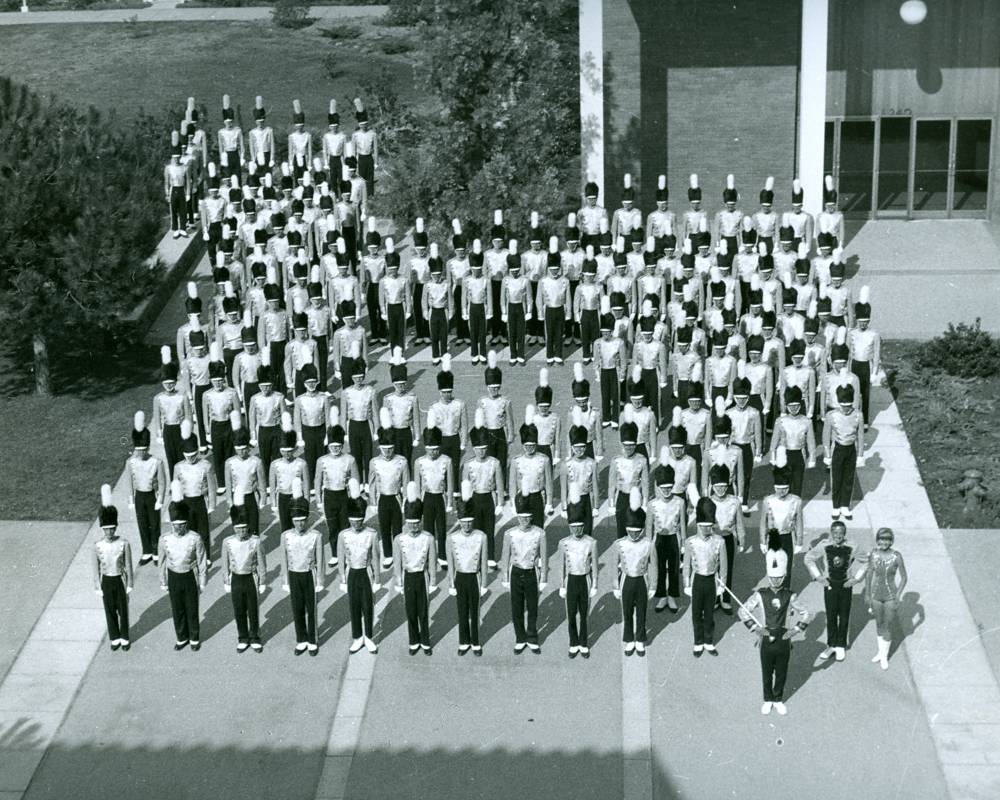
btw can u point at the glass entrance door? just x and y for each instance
(855, 167)
(931, 166)
(893, 167)
(971, 168)
(951, 167)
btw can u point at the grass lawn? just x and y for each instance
(157, 65)
(61, 449)
(952, 426)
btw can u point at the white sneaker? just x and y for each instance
(356, 645)
(370, 645)
(780, 708)
(841, 653)
(765, 707)
(661, 604)
(827, 653)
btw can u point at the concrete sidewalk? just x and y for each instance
(160, 13)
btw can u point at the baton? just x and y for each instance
(748, 612)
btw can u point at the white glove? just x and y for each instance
(157, 505)
(482, 592)
(596, 511)
(505, 584)
(797, 549)
(299, 443)
(286, 587)
(720, 589)
(448, 508)
(159, 440)
(528, 315)
(253, 442)
(861, 461)
(204, 236)
(651, 592)
(336, 374)
(687, 590)
(811, 464)
(227, 588)
(451, 589)
(503, 317)
(593, 592)
(549, 511)
(499, 509)
(416, 443)
(376, 586)
(758, 459)
(562, 591)
(617, 593)
(131, 504)
(763, 548)
(319, 588)
(343, 587)
(128, 589)
(399, 588)
(826, 460)
(542, 585)
(556, 461)
(599, 459)
(432, 588)
(261, 588)
(163, 587)
(99, 593)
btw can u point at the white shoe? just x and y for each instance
(765, 707)
(661, 604)
(332, 562)
(574, 649)
(386, 563)
(841, 653)
(640, 648)
(827, 653)
(442, 562)
(845, 512)
(356, 645)
(177, 234)
(370, 645)
(491, 564)
(780, 708)
(671, 604)
(835, 514)
(629, 648)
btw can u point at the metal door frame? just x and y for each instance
(949, 169)
(990, 177)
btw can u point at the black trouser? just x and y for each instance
(703, 608)
(683, 390)
(277, 350)
(194, 203)
(668, 563)
(451, 446)
(537, 325)
(467, 600)
(199, 413)
(350, 237)
(578, 609)
(651, 392)
(837, 601)
(536, 507)
(496, 326)
(303, 591)
(524, 596)
(229, 357)
(313, 448)
(366, 169)
(572, 327)
(588, 511)
(420, 330)
(516, 329)
(416, 602)
(359, 439)
(590, 331)
(484, 519)
(396, 324)
(729, 539)
(334, 166)
(346, 369)
(747, 452)
(198, 521)
(439, 332)
(610, 403)
(390, 521)
(403, 439)
(214, 237)
(323, 354)
(284, 512)
(376, 324)
(183, 590)
(232, 165)
(477, 329)
(843, 464)
(172, 447)
(788, 545)
(796, 471)
(115, 606)
(249, 390)
(555, 320)
(246, 608)
(863, 370)
(498, 449)
(268, 439)
(694, 450)
(461, 325)
(362, 603)
(435, 520)
(252, 512)
(147, 516)
(178, 208)
(222, 448)
(621, 511)
(335, 509)
(774, 657)
(634, 601)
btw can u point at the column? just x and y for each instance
(592, 92)
(812, 102)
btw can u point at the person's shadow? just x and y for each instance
(337, 615)
(393, 614)
(446, 616)
(604, 614)
(911, 616)
(805, 653)
(155, 613)
(551, 612)
(217, 616)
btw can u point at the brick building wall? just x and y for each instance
(707, 87)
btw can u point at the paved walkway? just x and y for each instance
(924, 274)
(161, 13)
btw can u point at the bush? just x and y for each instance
(966, 351)
(394, 46)
(409, 12)
(341, 32)
(291, 13)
